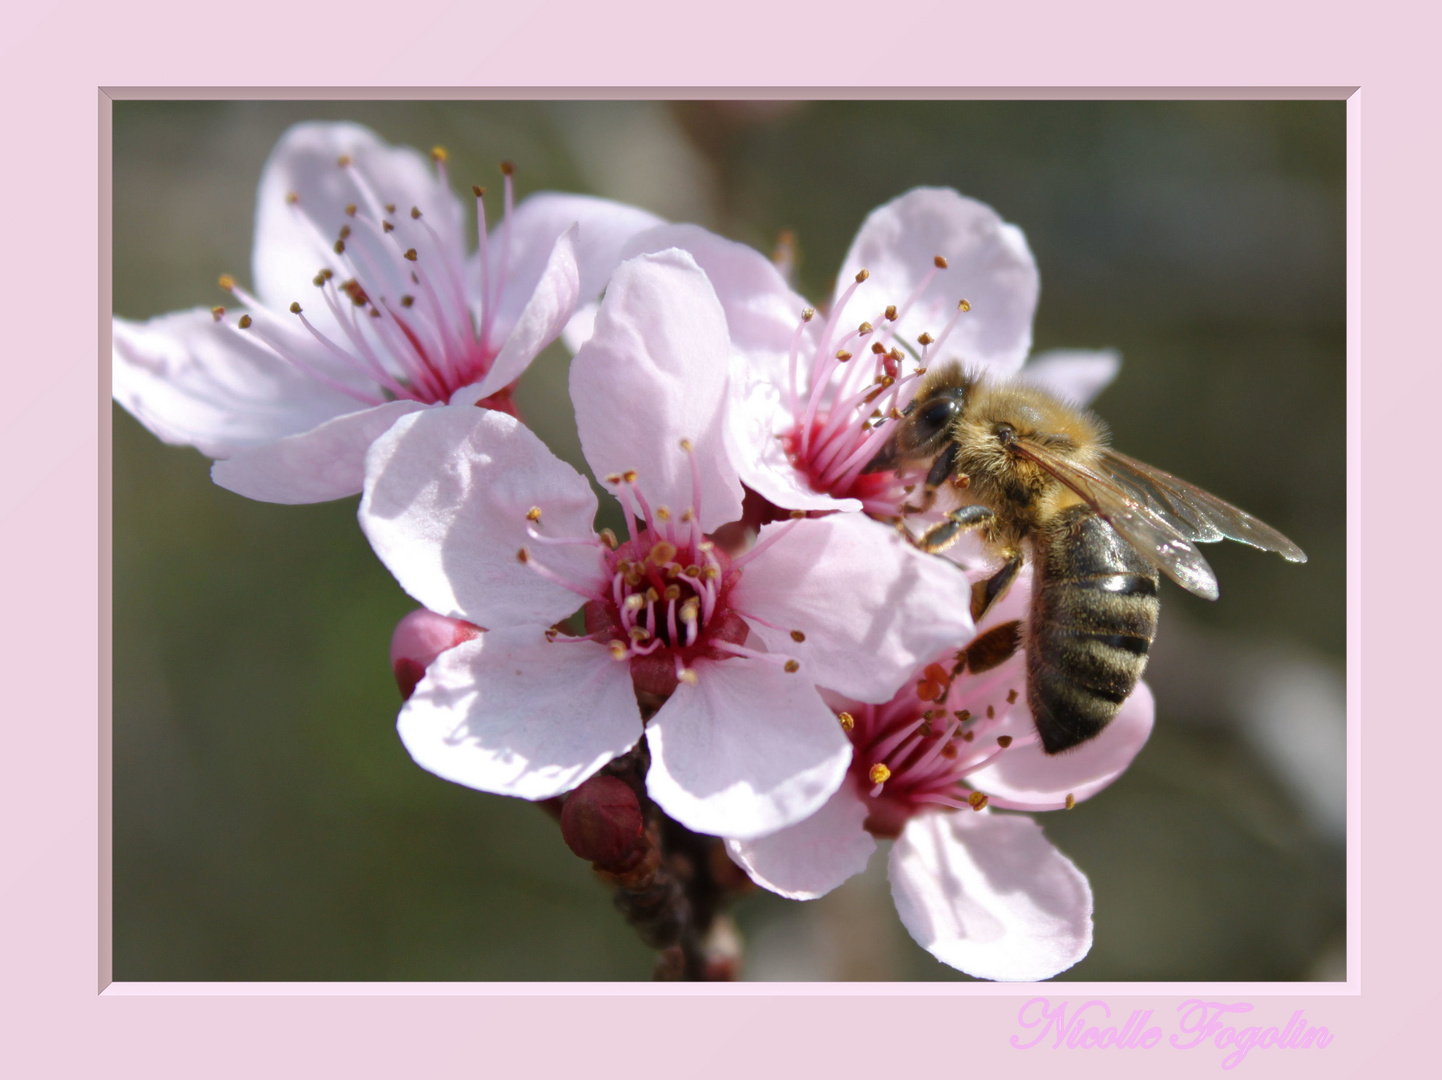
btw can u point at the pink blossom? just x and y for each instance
(366, 307)
(982, 891)
(930, 274)
(478, 521)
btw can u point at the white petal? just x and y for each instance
(546, 313)
(653, 373)
(446, 497)
(990, 266)
(746, 751)
(1074, 375)
(513, 714)
(603, 227)
(578, 331)
(762, 312)
(758, 412)
(1030, 776)
(327, 462)
(872, 608)
(198, 382)
(988, 894)
(293, 239)
(811, 858)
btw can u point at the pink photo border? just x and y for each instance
(65, 1018)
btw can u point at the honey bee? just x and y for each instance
(1036, 476)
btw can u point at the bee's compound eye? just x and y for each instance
(934, 416)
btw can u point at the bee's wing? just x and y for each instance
(1160, 538)
(1208, 517)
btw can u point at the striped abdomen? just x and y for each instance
(1093, 616)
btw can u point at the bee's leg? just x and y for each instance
(941, 468)
(986, 593)
(943, 534)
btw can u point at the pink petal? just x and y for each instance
(418, 639)
(552, 300)
(653, 373)
(327, 462)
(1029, 776)
(990, 266)
(293, 240)
(1075, 375)
(447, 493)
(513, 714)
(762, 311)
(987, 894)
(811, 858)
(198, 382)
(758, 412)
(748, 750)
(872, 608)
(603, 227)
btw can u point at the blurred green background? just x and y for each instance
(269, 825)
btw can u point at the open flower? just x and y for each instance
(930, 274)
(984, 892)
(366, 307)
(478, 521)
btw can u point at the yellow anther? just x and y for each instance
(662, 553)
(295, 307)
(864, 328)
(663, 512)
(439, 155)
(673, 592)
(862, 275)
(1070, 800)
(343, 160)
(640, 634)
(686, 445)
(879, 774)
(350, 209)
(687, 676)
(415, 213)
(633, 603)
(216, 313)
(891, 312)
(940, 262)
(227, 282)
(609, 539)
(978, 800)
(244, 323)
(807, 314)
(925, 339)
(629, 476)
(791, 667)
(618, 649)
(410, 254)
(843, 355)
(507, 168)
(533, 514)
(797, 636)
(848, 722)
(965, 305)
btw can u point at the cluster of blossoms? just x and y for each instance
(804, 681)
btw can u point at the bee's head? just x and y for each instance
(926, 427)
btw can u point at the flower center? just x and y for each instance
(402, 326)
(841, 400)
(918, 749)
(664, 604)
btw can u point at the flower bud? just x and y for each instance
(602, 821)
(421, 637)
